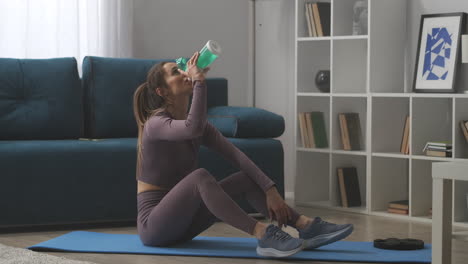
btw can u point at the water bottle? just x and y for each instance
(208, 54)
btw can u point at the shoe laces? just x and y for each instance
(316, 222)
(280, 235)
(320, 221)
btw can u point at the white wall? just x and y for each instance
(274, 70)
(168, 29)
(415, 9)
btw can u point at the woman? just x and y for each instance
(177, 201)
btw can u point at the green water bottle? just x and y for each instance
(208, 54)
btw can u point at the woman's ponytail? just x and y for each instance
(146, 103)
(138, 104)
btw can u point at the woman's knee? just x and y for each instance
(202, 174)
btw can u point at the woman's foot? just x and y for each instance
(275, 242)
(303, 221)
(318, 233)
(259, 230)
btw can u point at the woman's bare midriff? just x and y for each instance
(143, 187)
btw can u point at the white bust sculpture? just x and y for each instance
(360, 18)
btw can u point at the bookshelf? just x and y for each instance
(368, 77)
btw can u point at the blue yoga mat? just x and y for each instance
(233, 247)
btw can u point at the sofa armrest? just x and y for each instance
(246, 122)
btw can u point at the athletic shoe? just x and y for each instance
(277, 243)
(320, 233)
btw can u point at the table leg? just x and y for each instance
(441, 221)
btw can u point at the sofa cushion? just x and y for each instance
(246, 122)
(109, 84)
(67, 181)
(40, 99)
(75, 181)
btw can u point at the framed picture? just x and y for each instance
(437, 59)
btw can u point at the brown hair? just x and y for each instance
(147, 103)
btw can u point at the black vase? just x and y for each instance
(322, 81)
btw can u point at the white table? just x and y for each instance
(443, 173)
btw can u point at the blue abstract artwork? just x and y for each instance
(437, 54)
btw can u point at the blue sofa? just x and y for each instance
(68, 145)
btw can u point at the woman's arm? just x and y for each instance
(214, 140)
(166, 128)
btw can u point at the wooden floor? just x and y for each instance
(366, 228)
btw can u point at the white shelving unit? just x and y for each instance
(368, 77)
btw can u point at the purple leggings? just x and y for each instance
(193, 205)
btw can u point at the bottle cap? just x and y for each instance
(181, 63)
(213, 47)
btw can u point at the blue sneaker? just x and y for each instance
(320, 233)
(277, 243)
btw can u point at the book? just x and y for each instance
(445, 144)
(310, 130)
(349, 187)
(314, 26)
(354, 130)
(344, 132)
(302, 125)
(343, 196)
(405, 138)
(400, 204)
(407, 148)
(324, 9)
(303, 130)
(435, 148)
(350, 131)
(434, 153)
(318, 129)
(397, 211)
(318, 24)
(312, 21)
(464, 129)
(308, 18)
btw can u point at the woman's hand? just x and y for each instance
(277, 207)
(193, 71)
